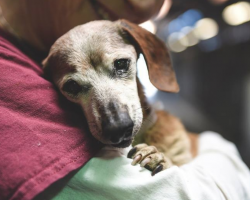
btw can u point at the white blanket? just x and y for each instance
(216, 173)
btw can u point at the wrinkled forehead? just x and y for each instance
(94, 41)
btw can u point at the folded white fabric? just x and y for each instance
(216, 173)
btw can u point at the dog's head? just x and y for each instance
(94, 65)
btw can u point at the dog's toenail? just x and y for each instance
(136, 159)
(157, 169)
(131, 152)
(144, 162)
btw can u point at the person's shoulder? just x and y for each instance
(12, 55)
(8, 44)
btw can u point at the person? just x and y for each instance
(46, 147)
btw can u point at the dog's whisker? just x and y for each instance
(143, 108)
(147, 121)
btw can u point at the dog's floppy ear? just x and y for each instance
(161, 73)
(47, 65)
(46, 68)
(52, 65)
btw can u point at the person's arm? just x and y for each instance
(216, 173)
(219, 162)
(40, 23)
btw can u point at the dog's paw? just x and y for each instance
(149, 157)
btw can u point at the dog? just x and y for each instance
(94, 66)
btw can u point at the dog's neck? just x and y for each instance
(148, 122)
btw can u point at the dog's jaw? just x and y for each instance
(94, 119)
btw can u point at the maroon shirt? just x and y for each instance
(43, 136)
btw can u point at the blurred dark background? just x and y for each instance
(209, 41)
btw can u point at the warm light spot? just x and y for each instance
(177, 42)
(206, 28)
(237, 13)
(149, 26)
(190, 36)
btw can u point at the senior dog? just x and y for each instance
(94, 65)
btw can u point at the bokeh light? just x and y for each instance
(206, 28)
(237, 13)
(177, 42)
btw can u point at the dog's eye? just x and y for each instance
(72, 87)
(121, 66)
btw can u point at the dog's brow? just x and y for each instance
(95, 58)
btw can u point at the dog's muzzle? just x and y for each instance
(117, 126)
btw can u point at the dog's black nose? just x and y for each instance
(118, 131)
(118, 128)
(117, 125)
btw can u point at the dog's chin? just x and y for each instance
(123, 144)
